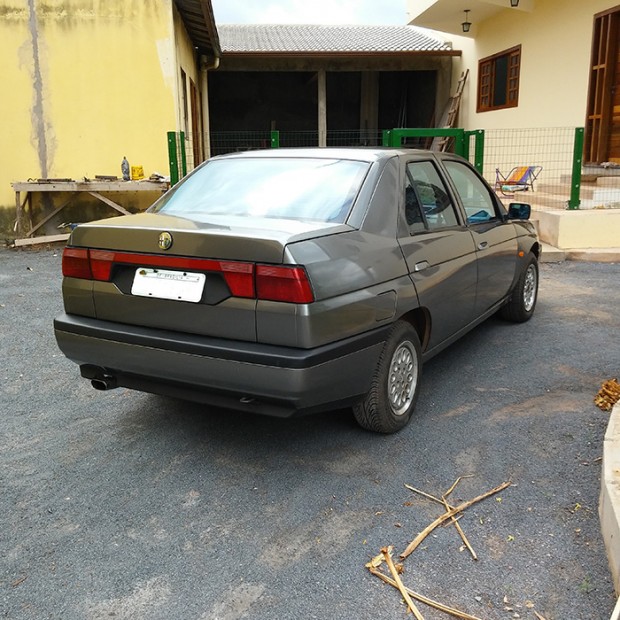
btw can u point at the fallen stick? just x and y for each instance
(454, 485)
(413, 545)
(399, 584)
(448, 507)
(423, 599)
(459, 529)
(427, 495)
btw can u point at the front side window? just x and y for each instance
(474, 194)
(498, 80)
(427, 203)
(296, 188)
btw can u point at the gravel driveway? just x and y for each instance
(131, 506)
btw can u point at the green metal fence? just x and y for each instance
(455, 140)
(564, 183)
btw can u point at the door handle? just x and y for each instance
(421, 266)
(483, 245)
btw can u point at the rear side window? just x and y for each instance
(473, 192)
(427, 203)
(300, 189)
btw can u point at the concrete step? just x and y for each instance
(548, 201)
(606, 255)
(563, 189)
(600, 180)
(609, 181)
(551, 254)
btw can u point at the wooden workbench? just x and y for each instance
(95, 188)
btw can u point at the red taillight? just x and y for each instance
(283, 284)
(273, 283)
(75, 264)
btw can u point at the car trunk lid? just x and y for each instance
(186, 275)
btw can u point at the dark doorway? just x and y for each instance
(407, 99)
(246, 105)
(343, 100)
(263, 100)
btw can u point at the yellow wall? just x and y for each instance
(85, 82)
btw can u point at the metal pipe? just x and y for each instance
(103, 383)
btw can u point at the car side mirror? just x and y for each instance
(519, 211)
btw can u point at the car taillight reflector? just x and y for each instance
(239, 277)
(101, 264)
(75, 264)
(283, 284)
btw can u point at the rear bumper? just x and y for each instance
(264, 379)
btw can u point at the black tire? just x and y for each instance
(522, 302)
(395, 384)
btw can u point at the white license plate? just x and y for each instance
(166, 284)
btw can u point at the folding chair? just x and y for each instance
(519, 179)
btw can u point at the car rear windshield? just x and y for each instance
(296, 188)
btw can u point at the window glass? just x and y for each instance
(473, 192)
(431, 194)
(299, 189)
(413, 210)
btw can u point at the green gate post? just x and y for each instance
(575, 185)
(459, 142)
(173, 158)
(275, 139)
(478, 148)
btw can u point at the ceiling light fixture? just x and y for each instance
(514, 3)
(467, 24)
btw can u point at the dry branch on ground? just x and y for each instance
(413, 545)
(385, 556)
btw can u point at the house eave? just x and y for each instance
(332, 55)
(199, 21)
(448, 16)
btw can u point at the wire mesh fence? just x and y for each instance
(231, 141)
(222, 142)
(546, 152)
(550, 153)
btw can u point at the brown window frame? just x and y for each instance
(487, 80)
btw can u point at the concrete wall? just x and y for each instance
(85, 82)
(574, 230)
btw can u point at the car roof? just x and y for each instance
(360, 153)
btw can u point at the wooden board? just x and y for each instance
(39, 240)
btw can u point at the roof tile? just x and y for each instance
(310, 38)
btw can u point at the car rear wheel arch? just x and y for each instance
(420, 320)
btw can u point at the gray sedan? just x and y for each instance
(296, 280)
